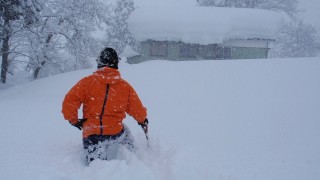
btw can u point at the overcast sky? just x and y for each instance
(310, 11)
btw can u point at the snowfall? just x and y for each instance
(255, 119)
(221, 119)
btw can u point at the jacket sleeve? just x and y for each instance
(72, 102)
(135, 107)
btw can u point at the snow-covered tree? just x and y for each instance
(63, 38)
(60, 37)
(15, 15)
(117, 33)
(297, 40)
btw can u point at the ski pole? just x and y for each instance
(144, 127)
(147, 138)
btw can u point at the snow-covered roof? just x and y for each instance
(203, 25)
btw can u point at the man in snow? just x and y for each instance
(106, 98)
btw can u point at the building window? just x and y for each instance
(227, 53)
(159, 49)
(208, 51)
(223, 52)
(189, 50)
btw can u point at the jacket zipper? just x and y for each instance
(103, 108)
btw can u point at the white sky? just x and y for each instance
(310, 12)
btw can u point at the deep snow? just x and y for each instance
(224, 120)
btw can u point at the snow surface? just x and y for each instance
(203, 25)
(224, 120)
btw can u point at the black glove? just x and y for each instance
(79, 123)
(144, 125)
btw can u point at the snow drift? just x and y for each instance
(232, 120)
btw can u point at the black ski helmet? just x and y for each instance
(108, 57)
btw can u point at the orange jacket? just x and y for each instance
(106, 99)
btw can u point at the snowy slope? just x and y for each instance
(225, 120)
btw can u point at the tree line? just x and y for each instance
(54, 36)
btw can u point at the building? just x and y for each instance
(195, 33)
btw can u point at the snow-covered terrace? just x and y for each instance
(203, 25)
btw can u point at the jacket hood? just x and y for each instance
(107, 75)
